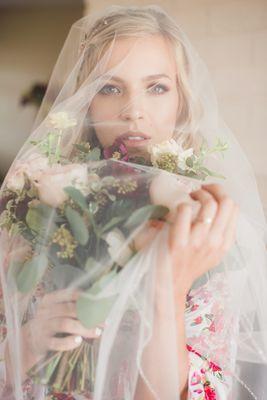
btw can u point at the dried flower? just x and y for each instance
(64, 239)
(117, 150)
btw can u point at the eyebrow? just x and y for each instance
(147, 78)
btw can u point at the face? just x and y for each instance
(139, 102)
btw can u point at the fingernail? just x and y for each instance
(98, 332)
(78, 339)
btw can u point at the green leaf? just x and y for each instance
(144, 213)
(113, 222)
(90, 263)
(77, 196)
(102, 282)
(189, 162)
(94, 155)
(77, 226)
(209, 172)
(31, 273)
(38, 217)
(81, 148)
(94, 312)
(64, 275)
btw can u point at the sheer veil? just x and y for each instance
(238, 342)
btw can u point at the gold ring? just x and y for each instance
(206, 221)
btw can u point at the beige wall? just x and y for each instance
(231, 37)
(30, 40)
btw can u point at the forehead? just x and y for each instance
(142, 56)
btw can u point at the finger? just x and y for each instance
(60, 296)
(222, 220)
(147, 234)
(71, 326)
(208, 209)
(230, 232)
(64, 344)
(180, 229)
(67, 309)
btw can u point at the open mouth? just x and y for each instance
(135, 138)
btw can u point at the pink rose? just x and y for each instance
(31, 168)
(171, 190)
(16, 248)
(52, 182)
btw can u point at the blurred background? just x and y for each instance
(230, 35)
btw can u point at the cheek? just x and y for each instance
(165, 112)
(103, 111)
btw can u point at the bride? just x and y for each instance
(130, 103)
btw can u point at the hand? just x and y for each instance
(197, 247)
(56, 313)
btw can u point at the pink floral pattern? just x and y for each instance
(207, 330)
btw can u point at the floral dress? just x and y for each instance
(204, 323)
(206, 380)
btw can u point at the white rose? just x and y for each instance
(168, 146)
(116, 246)
(61, 120)
(170, 190)
(52, 182)
(182, 157)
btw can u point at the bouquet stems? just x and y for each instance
(70, 371)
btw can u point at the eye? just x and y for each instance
(158, 88)
(109, 89)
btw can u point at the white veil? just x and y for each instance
(48, 163)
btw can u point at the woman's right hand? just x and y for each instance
(56, 313)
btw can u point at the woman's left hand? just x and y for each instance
(198, 246)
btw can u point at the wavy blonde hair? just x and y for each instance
(124, 22)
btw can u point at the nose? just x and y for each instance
(133, 110)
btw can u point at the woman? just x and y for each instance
(131, 83)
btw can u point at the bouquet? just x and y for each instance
(74, 219)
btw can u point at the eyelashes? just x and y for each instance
(113, 90)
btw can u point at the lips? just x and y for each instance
(131, 138)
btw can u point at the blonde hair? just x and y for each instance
(124, 22)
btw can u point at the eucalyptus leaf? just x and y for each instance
(90, 263)
(77, 226)
(209, 172)
(77, 196)
(144, 213)
(189, 162)
(81, 148)
(94, 155)
(93, 312)
(102, 282)
(31, 273)
(114, 221)
(37, 219)
(64, 275)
